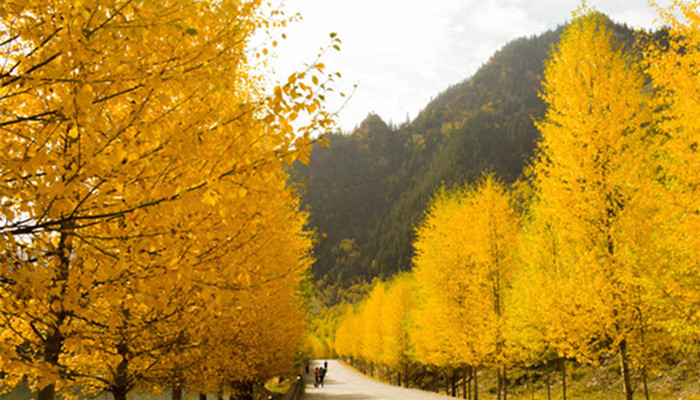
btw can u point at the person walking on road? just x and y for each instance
(316, 377)
(321, 375)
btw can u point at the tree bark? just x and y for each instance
(563, 379)
(447, 383)
(475, 372)
(465, 382)
(52, 349)
(499, 384)
(53, 343)
(177, 392)
(405, 376)
(626, 375)
(244, 390)
(454, 383)
(644, 380)
(121, 385)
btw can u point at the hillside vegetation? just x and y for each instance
(367, 190)
(537, 237)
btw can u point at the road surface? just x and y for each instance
(342, 383)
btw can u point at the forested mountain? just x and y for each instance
(367, 190)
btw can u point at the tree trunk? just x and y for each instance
(243, 389)
(563, 379)
(475, 372)
(52, 350)
(405, 376)
(499, 384)
(121, 386)
(644, 380)
(447, 383)
(626, 376)
(53, 344)
(120, 394)
(47, 392)
(202, 396)
(549, 386)
(177, 392)
(454, 383)
(505, 384)
(465, 382)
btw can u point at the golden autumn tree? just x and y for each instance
(399, 303)
(675, 243)
(143, 189)
(375, 330)
(463, 268)
(347, 342)
(591, 178)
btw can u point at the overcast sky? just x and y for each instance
(402, 53)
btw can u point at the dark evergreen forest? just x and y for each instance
(367, 190)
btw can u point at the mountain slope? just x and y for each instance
(368, 190)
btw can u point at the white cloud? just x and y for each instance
(403, 52)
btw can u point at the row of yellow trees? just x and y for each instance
(148, 235)
(602, 258)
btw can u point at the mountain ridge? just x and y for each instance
(367, 190)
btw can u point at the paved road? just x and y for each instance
(342, 383)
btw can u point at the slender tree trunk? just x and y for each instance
(177, 391)
(549, 386)
(475, 373)
(202, 396)
(406, 379)
(505, 383)
(53, 344)
(447, 383)
(499, 384)
(464, 383)
(626, 376)
(644, 380)
(470, 384)
(532, 386)
(454, 383)
(563, 379)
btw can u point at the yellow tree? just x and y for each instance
(591, 173)
(375, 331)
(347, 340)
(141, 167)
(673, 66)
(372, 314)
(395, 324)
(463, 268)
